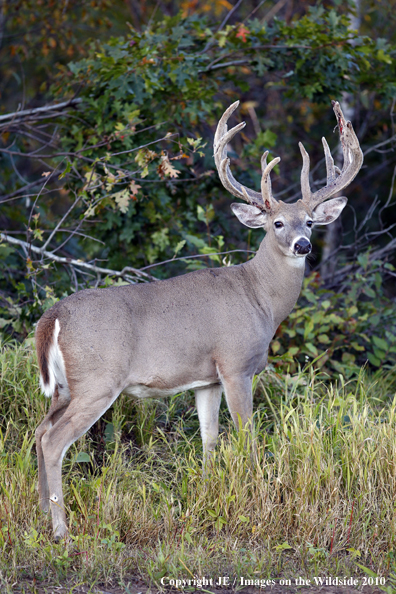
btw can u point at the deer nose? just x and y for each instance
(302, 246)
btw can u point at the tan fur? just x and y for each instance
(44, 339)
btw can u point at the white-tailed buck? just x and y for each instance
(207, 331)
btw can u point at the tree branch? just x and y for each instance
(78, 263)
(377, 146)
(38, 110)
(197, 256)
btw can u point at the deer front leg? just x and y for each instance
(238, 393)
(208, 403)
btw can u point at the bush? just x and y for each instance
(340, 330)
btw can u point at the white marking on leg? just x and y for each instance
(208, 403)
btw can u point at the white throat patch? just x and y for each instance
(296, 262)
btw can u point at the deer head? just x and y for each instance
(290, 225)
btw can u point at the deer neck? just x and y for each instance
(278, 279)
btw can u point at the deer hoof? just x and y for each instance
(44, 505)
(60, 532)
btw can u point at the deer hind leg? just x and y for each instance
(59, 404)
(208, 403)
(78, 417)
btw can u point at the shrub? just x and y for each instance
(341, 330)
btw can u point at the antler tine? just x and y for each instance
(336, 180)
(330, 167)
(305, 186)
(266, 186)
(221, 139)
(222, 125)
(220, 148)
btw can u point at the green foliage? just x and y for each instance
(341, 330)
(163, 82)
(25, 301)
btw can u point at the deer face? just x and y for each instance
(289, 226)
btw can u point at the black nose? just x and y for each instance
(302, 246)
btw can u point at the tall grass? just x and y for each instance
(317, 497)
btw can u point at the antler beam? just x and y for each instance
(264, 200)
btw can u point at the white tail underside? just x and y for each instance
(56, 366)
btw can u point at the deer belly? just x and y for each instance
(147, 391)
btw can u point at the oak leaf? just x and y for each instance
(242, 31)
(166, 168)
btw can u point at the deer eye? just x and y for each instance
(278, 224)
(309, 223)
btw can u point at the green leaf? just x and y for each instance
(323, 338)
(188, 538)
(312, 348)
(82, 457)
(66, 170)
(348, 358)
(373, 359)
(109, 432)
(369, 292)
(267, 138)
(198, 242)
(367, 570)
(122, 199)
(275, 346)
(293, 351)
(283, 547)
(179, 246)
(380, 354)
(201, 214)
(380, 343)
(383, 57)
(357, 346)
(4, 322)
(220, 522)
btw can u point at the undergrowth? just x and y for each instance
(317, 497)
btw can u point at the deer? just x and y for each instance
(208, 331)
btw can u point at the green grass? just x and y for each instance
(320, 500)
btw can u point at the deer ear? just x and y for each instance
(249, 215)
(327, 212)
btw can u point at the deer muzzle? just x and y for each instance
(302, 246)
